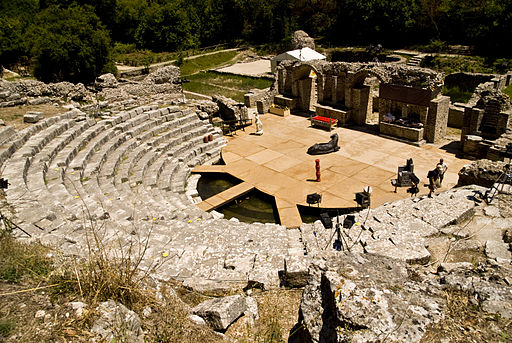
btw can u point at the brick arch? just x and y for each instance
(361, 75)
(303, 70)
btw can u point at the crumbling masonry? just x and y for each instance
(338, 90)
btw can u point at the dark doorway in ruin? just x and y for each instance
(307, 88)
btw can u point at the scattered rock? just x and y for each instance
(219, 313)
(106, 81)
(363, 298)
(229, 109)
(487, 285)
(482, 172)
(33, 117)
(40, 314)
(78, 306)
(209, 107)
(6, 134)
(118, 323)
(492, 211)
(39, 101)
(452, 267)
(196, 319)
(497, 250)
(167, 74)
(301, 40)
(295, 272)
(252, 309)
(146, 312)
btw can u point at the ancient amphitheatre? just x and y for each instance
(128, 178)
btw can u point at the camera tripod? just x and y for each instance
(498, 186)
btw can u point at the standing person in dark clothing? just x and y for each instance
(433, 179)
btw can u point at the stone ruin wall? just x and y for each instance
(487, 123)
(340, 88)
(106, 94)
(472, 81)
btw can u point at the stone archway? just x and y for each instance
(359, 95)
(305, 87)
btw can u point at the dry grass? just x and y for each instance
(169, 322)
(30, 282)
(13, 116)
(465, 321)
(278, 313)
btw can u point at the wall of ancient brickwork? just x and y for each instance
(341, 86)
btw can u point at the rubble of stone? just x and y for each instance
(266, 99)
(14, 93)
(252, 96)
(229, 109)
(219, 313)
(399, 229)
(301, 40)
(32, 117)
(489, 284)
(486, 94)
(481, 172)
(159, 86)
(387, 72)
(368, 298)
(117, 323)
(209, 107)
(164, 75)
(487, 123)
(162, 85)
(105, 81)
(6, 134)
(372, 289)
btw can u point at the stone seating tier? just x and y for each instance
(56, 175)
(66, 178)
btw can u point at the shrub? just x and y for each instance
(456, 94)
(436, 45)
(508, 90)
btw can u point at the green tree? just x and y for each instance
(266, 20)
(69, 44)
(165, 28)
(15, 17)
(128, 14)
(104, 9)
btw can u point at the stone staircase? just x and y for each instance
(415, 61)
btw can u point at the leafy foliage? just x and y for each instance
(69, 44)
(472, 64)
(80, 31)
(165, 28)
(508, 91)
(457, 95)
